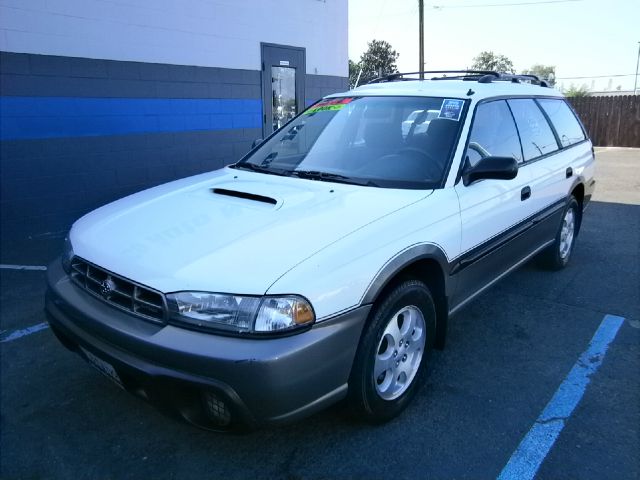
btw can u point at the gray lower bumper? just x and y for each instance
(262, 380)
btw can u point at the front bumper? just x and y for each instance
(180, 371)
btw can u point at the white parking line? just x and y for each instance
(534, 447)
(22, 333)
(22, 267)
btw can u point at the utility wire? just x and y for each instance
(596, 76)
(440, 7)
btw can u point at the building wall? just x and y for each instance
(209, 33)
(84, 121)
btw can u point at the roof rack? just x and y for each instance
(481, 76)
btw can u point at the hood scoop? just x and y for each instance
(245, 195)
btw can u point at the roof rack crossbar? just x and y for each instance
(516, 78)
(392, 77)
(481, 76)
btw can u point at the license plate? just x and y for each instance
(103, 367)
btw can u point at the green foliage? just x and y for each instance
(573, 91)
(544, 72)
(492, 61)
(380, 58)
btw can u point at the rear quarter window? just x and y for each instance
(564, 121)
(535, 133)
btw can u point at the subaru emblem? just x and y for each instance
(106, 287)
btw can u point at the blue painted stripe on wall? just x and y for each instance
(48, 117)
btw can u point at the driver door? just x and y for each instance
(491, 211)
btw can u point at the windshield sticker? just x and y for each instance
(331, 104)
(451, 109)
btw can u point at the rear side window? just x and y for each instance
(493, 133)
(536, 134)
(563, 120)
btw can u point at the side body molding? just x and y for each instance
(402, 260)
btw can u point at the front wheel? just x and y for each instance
(392, 355)
(557, 255)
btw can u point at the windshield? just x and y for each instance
(394, 142)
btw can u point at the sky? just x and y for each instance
(582, 38)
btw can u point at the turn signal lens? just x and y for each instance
(282, 313)
(303, 313)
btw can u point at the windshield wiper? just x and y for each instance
(259, 168)
(331, 177)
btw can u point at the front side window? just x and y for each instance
(564, 121)
(535, 133)
(493, 133)
(392, 142)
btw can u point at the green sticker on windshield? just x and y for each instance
(329, 105)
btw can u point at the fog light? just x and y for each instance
(216, 409)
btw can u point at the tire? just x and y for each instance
(558, 254)
(387, 371)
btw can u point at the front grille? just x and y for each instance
(118, 291)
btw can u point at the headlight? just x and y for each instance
(67, 255)
(203, 309)
(240, 313)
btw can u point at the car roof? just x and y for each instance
(450, 88)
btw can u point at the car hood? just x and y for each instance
(229, 230)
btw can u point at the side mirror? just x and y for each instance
(256, 142)
(496, 168)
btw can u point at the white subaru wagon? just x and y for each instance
(325, 263)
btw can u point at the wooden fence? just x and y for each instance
(611, 121)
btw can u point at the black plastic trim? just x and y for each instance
(480, 251)
(470, 297)
(155, 320)
(245, 195)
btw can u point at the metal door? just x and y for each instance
(283, 74)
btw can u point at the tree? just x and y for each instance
(379, 58)
(544, 72)
(493, 62)
(573, 91)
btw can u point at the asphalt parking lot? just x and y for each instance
(507, 355)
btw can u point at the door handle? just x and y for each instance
(569, 172)
(525, 193)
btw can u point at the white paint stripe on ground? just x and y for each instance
(534, 447)
(22, 267)
(24, 332)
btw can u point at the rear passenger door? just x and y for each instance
(549, 131)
